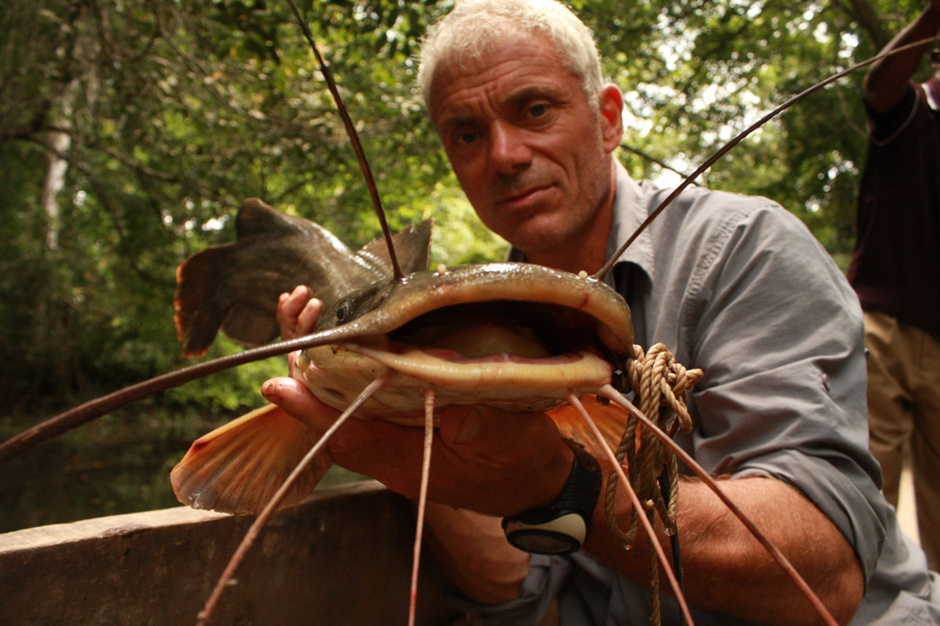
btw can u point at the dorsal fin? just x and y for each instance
(413, 246)
(257, 218)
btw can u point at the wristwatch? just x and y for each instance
(560, 528)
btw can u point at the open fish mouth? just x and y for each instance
(520, 345)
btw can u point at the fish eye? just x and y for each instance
(342, 312)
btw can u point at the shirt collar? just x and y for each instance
(631, 207)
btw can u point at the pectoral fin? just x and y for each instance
(238, 467)
(611, 420)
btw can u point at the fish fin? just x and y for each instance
(215, 290)
(251, 325)
(234, 287)
(257, 218)
(238, 467)
(412, 248)
(610, 419)
(198, 314)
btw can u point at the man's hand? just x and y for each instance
(297, 312)
(483, 459)
(466, 467)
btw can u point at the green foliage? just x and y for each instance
(175, 112)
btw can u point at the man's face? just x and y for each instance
(528, 150)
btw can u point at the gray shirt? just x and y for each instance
(739, 287)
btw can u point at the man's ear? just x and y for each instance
(610, 108)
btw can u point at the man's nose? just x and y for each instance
(508, 150)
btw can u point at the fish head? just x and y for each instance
(515, 336)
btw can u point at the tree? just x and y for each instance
(696, 73)
(160, 118)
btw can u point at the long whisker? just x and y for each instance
(422, 500)
(278, 497)
(607, 391)
(354, 139)
(651, 533)
(93, 409)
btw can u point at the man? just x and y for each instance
(514, 90)
(896, 271)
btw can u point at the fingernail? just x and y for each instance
(268, 391)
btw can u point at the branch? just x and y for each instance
(863, 13)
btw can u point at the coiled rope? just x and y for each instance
(660, 385)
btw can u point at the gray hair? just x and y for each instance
(475, 25)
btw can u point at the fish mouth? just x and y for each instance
(502, 350)
(525, 346)
(482, 329)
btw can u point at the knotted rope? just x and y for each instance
(660, 385)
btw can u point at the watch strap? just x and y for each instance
(560, 528)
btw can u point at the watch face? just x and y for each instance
(546, 532)
(540, 541)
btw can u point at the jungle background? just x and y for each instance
(130, 131)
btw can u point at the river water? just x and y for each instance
(119, 464)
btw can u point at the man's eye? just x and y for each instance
(538, 110)
(467, 137)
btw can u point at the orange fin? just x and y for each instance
(238, 467)
(611, 420)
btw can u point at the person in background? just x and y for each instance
(514, 89)
(895, 271)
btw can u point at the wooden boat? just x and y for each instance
(341, 557)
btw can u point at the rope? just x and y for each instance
(660, 386)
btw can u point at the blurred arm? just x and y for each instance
(886, 81)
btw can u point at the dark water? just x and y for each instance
(120, 464)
